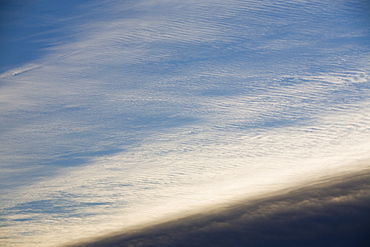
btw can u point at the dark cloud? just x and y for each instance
(335, 213)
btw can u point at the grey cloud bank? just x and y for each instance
(329, 213)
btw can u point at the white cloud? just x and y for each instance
(164, 107)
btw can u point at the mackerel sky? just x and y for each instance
(120, 114)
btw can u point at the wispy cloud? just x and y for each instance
(155, 108)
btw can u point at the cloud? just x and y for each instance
(142, 111)
(17, 71)
(331, 213)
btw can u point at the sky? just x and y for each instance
(119, 115)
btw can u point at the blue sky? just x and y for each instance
(138, 111)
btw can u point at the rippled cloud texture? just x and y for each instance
(115, 115)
